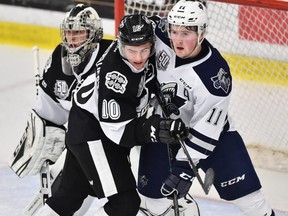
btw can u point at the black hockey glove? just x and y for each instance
(179, 182)
(161, 130)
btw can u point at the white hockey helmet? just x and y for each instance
(187, 13)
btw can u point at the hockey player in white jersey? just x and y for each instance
(196, 82)
(108, 118)
(70, 63)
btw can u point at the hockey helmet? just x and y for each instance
(82, 17)
(136, 30)
(189, 14)
(79, 18)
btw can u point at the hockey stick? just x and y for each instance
(165, 113)
(167, 110)
(209, 176)
(37, 73)
(45, 180)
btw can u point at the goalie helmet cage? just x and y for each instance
(252, 35)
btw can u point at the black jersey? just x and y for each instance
(54, 100)
(110, 101)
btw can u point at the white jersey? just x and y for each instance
(200, 89)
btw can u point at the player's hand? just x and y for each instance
(175, 184)
(157, 129)
(176, 128)
(179, 181)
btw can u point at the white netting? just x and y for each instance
(254, 42)
(149, 7)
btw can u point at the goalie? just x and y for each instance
(70, 63)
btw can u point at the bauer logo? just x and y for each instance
(233, 181)
(116, 82)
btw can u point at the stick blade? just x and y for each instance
(209, 180)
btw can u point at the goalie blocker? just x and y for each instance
(40, 142)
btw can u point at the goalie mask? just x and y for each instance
(189, 14)
(80, 31)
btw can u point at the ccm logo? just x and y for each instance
(233, 181)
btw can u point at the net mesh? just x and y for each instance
(254, 42)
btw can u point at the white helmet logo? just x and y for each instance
(137, 28)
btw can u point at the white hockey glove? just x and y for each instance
(38, 144)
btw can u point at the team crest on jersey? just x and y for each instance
(116, 82)
(61, 89)
(221, 80)
(173, 101)
(162, 60)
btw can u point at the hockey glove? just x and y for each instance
(39, 143)
(179, 182)
(161, 130)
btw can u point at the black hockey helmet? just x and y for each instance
(136, 30)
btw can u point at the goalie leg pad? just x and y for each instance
(38, 144)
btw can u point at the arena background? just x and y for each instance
(64, 5)
(36, 22)
(21, 25)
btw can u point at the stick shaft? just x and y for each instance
(36, 67)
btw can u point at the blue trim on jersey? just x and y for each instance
(162, 36)
(217, 77)
(198, 148)
(204, 139)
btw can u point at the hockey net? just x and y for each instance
(252, 35)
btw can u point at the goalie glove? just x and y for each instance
(38, 144)
(157, 129)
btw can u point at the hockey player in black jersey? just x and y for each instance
(196, 82)
(70, 63)
(107, 119)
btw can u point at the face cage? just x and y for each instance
(90, 29)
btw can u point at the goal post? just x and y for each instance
(252, 35)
